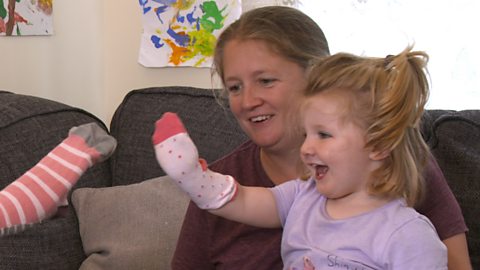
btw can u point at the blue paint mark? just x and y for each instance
(143, 3)
(165, 2)
(157, 41)
(146, 9)
(159, 12)
(192, 20)
(190, 17)
(180, 18)
(181, 40)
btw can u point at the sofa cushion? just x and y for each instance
(131, 226)
(210, 125)
(454, 138)
(29, 128)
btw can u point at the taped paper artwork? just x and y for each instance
(26, 17)
(183, 32)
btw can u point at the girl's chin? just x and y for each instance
(324, 190)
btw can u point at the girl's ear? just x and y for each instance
(379, 155)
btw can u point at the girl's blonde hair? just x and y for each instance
(388, 96)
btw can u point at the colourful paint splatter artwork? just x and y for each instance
(26, 17)
(183, 32)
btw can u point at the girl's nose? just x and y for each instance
(306, 149)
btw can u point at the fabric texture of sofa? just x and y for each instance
(122, 215)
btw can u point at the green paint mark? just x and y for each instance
(202, 42)
(212, 18)
(3, 11)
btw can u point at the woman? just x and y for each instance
(262, 60)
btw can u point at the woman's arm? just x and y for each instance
(458, 258)
(443, 210)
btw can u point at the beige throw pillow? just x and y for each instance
(130, 227)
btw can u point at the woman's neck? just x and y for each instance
(280, 167)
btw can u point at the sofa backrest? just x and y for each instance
(211, 127)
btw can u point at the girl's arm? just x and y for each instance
(254, 206)
(220, 194)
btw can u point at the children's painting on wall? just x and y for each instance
(183, 32)
(26, 17)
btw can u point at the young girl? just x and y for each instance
(365, 156)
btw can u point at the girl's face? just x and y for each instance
(263, 89)
(334, 148)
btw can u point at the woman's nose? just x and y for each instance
(251, 97)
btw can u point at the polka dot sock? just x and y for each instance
(178, 156)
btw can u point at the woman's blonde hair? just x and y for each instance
(388, 96)
(287, 31)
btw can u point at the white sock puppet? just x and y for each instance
(178, 156)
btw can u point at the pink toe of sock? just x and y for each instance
(167, 126)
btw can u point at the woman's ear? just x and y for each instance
(379, 155)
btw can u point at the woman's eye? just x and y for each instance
(233, 88)
(324, 135)
(267, 81)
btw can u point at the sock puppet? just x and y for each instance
(38, 193)
(178, 156)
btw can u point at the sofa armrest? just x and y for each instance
(29, 128)
(454, 139)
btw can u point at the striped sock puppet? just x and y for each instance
(38, 193)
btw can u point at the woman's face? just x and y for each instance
(264, 89)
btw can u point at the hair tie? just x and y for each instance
(388, 62)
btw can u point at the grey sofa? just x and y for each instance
(31, 126)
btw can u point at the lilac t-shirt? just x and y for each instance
(393, 236)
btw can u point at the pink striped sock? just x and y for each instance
(37, 194)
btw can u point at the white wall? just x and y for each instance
(91, 59)
(444, 29)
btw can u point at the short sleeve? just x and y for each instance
(416, 245)
(284, 195)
